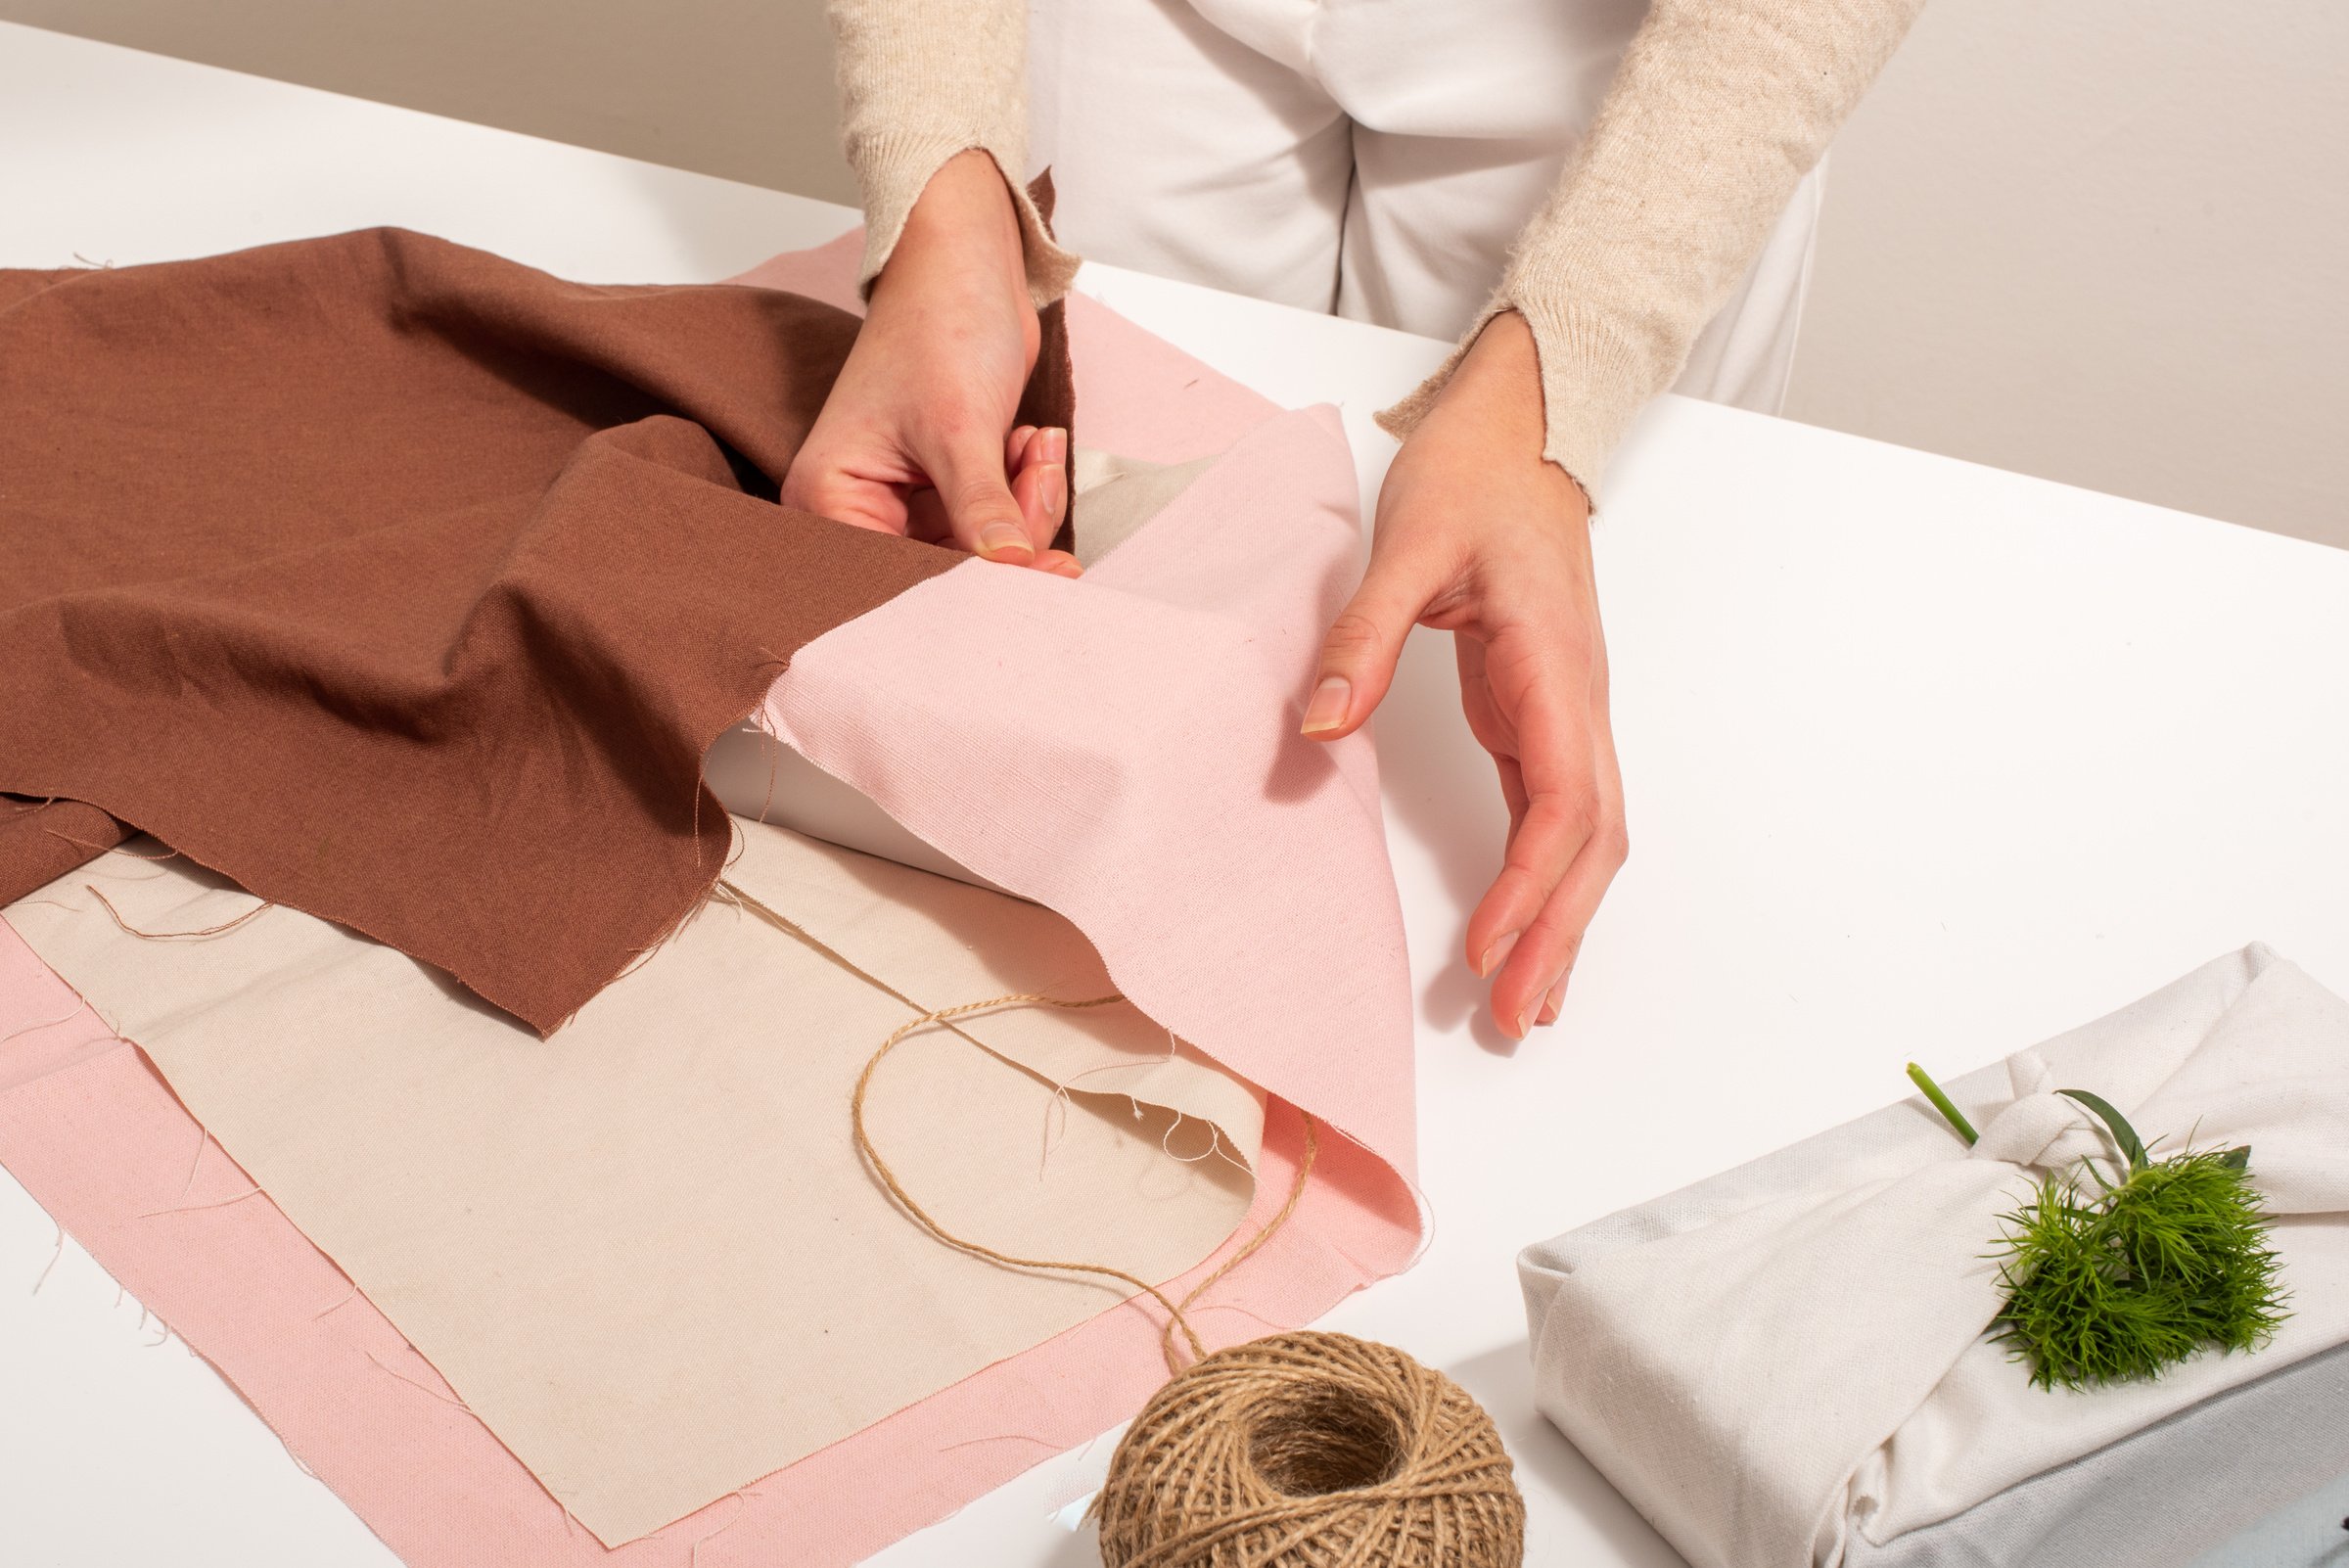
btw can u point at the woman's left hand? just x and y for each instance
(1479, 535)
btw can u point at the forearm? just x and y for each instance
(920, 81)
(1719, 110)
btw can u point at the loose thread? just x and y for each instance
(46, 1023)
(170, 936)
(338, 1306)
(107, 849)
(54, 1255)
(1057, 1114)
(446, 1398)
(693, 1558)
(774, 760)
(192, 1208)
(998, 1437)
(203, 1142)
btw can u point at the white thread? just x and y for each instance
(205, 1138)
(53, 1258)
(192, 1208)
(693, 1558)
(46, 1023)
(446, 1398)
(338, 1306)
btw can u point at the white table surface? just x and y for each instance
(1922, 760)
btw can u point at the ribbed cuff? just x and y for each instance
(895, 170)
(1593, 387)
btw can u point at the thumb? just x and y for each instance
(980, 512)
(1358, 656)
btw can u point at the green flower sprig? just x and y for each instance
(2121, 1284)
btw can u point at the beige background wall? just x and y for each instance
(2103, 241)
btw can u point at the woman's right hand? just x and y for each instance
(917, 436)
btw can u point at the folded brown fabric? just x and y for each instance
(407, 586)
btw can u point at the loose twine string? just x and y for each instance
(1177, 1319)
(1301, 1450)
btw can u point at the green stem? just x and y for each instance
(1943, 1103)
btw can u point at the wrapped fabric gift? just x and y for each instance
(1788, 1365)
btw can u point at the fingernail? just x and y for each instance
(1327, 710)
(1525, 1021)
(1052, 489)
(1554, 1003)
(1495, 954)
(1056, 444)
(1000, 540)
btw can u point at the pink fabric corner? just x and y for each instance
(100, 1141)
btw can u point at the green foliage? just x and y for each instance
(2124, 1284)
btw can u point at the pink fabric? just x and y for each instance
(1134, 736)
(100, 1141)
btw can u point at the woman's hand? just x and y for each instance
(1478, 536)
(917, 435)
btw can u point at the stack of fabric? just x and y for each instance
(456, 1074)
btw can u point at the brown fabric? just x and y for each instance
(407, 586)
(42, 840)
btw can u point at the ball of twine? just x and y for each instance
(1307, 1450)
(1298, 1451)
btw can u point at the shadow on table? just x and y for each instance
(1443, 788)
(1554, 1475)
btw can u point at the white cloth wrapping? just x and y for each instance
(1786, 1364)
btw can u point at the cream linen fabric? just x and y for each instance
(644, 1251)
(1786, 1364)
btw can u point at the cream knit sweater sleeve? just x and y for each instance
(921, 80)
(1718, 110)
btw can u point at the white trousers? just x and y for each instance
(1375, 158)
